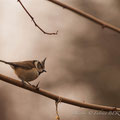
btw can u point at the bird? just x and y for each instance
(27, 70)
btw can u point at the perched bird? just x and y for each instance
(27, 70)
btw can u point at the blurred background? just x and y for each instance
(83, 60)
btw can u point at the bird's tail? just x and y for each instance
(4, 61)
(9, 63)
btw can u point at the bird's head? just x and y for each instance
(40, 66)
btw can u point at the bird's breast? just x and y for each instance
(27, 75)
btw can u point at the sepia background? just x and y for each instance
(83, 60)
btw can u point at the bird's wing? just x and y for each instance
(23, 64)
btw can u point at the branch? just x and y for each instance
(34, 20)
(86, 15)
(56, 97)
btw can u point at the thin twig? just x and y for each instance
(56, 104)
(57, 113)
(86, 15)
(35, 21)
(56, 97)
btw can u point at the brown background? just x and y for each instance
(83, 60)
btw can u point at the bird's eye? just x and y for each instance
(39, 65)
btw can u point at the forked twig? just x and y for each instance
(35, 21)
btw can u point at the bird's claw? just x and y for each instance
(36, 86)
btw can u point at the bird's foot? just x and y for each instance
(23, 82)
(37, 86)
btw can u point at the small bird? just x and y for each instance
(27, 70)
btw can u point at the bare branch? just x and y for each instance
(86, 15)
(35, 21)
(56, 97)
